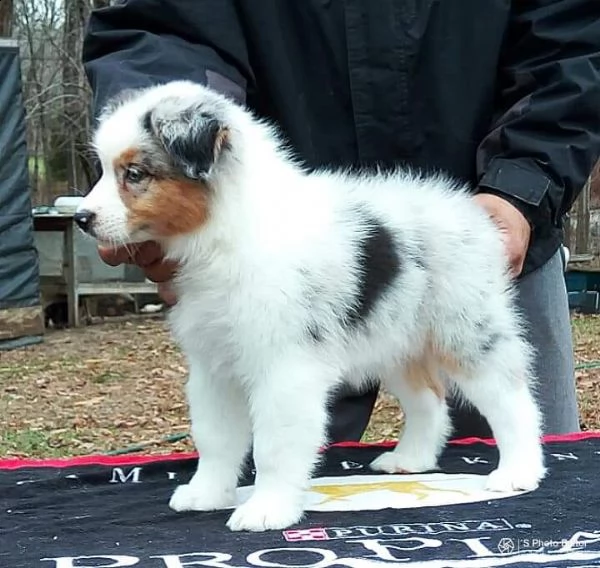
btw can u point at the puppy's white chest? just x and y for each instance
(201, 317)
(213, 322)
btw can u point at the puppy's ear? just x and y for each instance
(192, 138)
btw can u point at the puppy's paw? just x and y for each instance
(399, 461)
(521, 478)
(265, 512)
(196, 497)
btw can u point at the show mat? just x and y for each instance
(113, 512)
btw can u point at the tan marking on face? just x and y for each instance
(163, 207)
(129, 156)
(168, 207)
(128, 192)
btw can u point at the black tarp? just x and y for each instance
(107, 511)
(19, 272)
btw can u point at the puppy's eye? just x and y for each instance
(133, 174)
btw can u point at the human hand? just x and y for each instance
(513, 226)
(149, 257)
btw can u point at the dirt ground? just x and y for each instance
(110, 386)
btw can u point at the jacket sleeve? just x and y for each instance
(545, 137)
(137, 43)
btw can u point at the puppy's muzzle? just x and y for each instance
(84, 220)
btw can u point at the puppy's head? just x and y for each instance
(160, 150)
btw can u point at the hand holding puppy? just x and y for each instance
(513, 226)
(149, 257)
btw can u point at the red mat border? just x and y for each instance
(137, 459)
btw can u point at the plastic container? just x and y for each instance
(67, 204)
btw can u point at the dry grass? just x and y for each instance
(108, 386)
(586, 336)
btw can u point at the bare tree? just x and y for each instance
(6, 18)
(57, 96)
(74, 104)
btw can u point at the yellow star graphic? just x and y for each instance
(417, 488)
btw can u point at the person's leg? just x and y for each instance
(544, 303)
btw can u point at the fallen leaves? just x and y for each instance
(109, 386)
(92, 390)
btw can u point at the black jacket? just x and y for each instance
(504, 94)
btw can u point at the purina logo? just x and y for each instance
(300, 535)
(396, 530)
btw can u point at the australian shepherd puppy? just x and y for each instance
(294, 282)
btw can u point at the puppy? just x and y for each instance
(291, 283)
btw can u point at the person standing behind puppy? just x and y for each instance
(502, 94)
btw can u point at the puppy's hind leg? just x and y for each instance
(426, 420)
(499, 388)
(220, 428)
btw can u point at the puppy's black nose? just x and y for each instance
(84, 219)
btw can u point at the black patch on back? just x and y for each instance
(379, 264)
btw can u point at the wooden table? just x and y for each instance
(63, 222)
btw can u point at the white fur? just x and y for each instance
(277, 255)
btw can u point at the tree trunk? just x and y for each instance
(75, 107)
(582, 232)
(6, 18)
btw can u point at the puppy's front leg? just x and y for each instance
(289, 413)
(221, 432)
